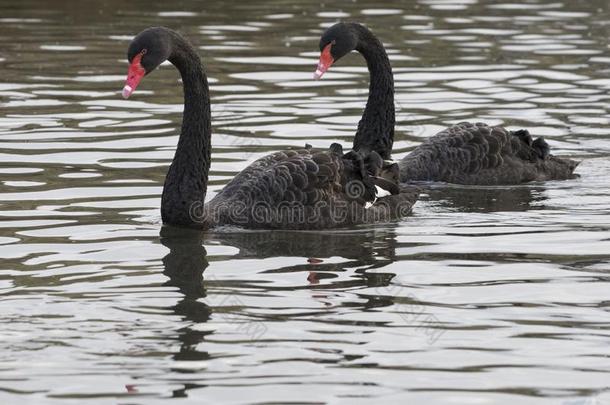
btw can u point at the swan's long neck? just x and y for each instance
(376, 128)
(187, 178)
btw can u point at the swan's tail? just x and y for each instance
(556, 168)
(550, 167)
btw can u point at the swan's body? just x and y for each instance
(464, 153)
(296, 189)
(478, 154)
(307, 189)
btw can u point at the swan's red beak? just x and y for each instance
(134, 75)
(325, 61)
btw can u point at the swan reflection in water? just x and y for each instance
(455, 197)
(187, 261)
(363, 249)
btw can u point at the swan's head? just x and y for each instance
(146, 52)
(336, 42)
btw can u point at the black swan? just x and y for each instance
(465, 153)
(293, 189)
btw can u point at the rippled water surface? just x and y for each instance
(483, 295)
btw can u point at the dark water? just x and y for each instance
(484, 295)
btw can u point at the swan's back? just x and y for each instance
(292, 176)
(469, 153)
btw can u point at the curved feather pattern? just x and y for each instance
(309, 189)
(469, 153)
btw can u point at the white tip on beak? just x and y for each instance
(127, 90)
(318, 74)
(380, 192)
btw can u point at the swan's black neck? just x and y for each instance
(187, 178)
(376, 128)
